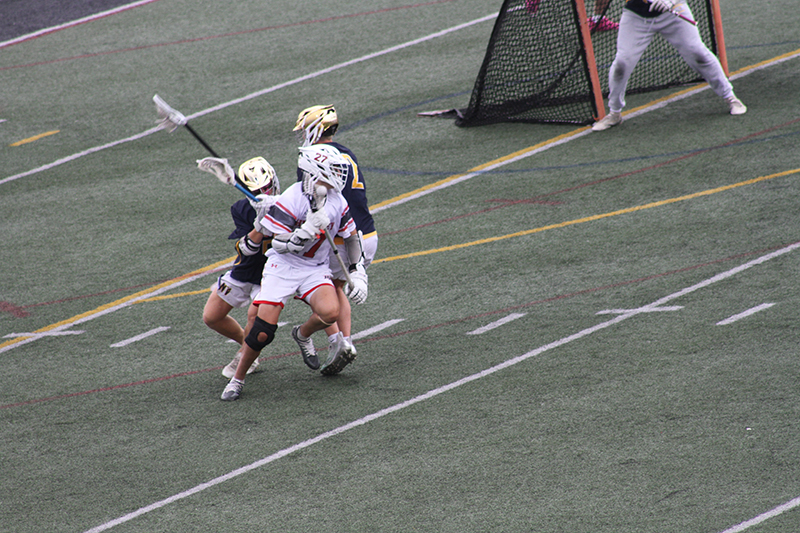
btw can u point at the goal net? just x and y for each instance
(548, 62)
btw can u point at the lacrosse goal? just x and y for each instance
(548, 62)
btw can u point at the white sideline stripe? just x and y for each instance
(90, 18)
(436, 392)
(140, 337)
(496, 324)
(376, 329)
(44, 334)
(641, 310)
(788, 506)
(255, 95)
(744, 314)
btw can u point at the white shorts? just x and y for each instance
(236, 293)
(370, 248)
(282, 281)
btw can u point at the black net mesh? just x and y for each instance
(535, 68)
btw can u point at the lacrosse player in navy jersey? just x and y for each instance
(239, 286)
(298, 259)
(317, 125)
(641, 20)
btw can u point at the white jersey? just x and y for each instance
(289, 213)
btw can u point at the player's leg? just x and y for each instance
(685, 38)
(635, 35)
(274, 292)
(216, 316)
(230, 369)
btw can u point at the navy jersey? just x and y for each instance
(641, 8)
(355, 192)
(250, 267)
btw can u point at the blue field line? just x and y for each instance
(378, 170)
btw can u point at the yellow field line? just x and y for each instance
(479, 168)
(121, 301)
(34, 138)
(171, 296)
(587, 219)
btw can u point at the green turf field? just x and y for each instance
(585, 333)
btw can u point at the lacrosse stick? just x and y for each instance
(170, 119)
(684, 17)
(220, 167)
(320, 196)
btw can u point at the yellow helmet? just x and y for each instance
(259, 176)
(316, 122)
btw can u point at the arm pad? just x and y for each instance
(355, 251)
(246, 246)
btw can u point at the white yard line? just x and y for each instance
(255, 95)
(496, 324)
(744, 314)
(44, 334)
(788, 506)
(72, 23)
(376, 329)
(463, 381)
(139, 337)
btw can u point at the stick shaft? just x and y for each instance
(339, 258)
(201, 140)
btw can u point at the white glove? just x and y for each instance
(246, 246)
(358, 292)
(297, 243)
(316, 221)
(661, 5)
(262, 205)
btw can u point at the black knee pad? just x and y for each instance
(260, 334)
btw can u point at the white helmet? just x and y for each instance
(322, 162)
(259, 176)
(316, 122)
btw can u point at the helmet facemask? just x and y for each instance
(315, 123)
(258, 175)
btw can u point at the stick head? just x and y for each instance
(219, 167)
(169, 118)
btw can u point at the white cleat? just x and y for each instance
(232, 390)
(736, 106)
(612, 119)
(230, 370)
(306, 349)
(340, 354)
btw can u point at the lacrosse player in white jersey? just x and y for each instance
(298, 260)
(641, 20)
(317, 125)
(240, 285)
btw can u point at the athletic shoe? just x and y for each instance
(232, 390)
(736, 105)
(340, 354)
(307, 349)
(612, 119)
(598, 23)
(230, 370)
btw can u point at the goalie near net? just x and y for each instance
(546, 63)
